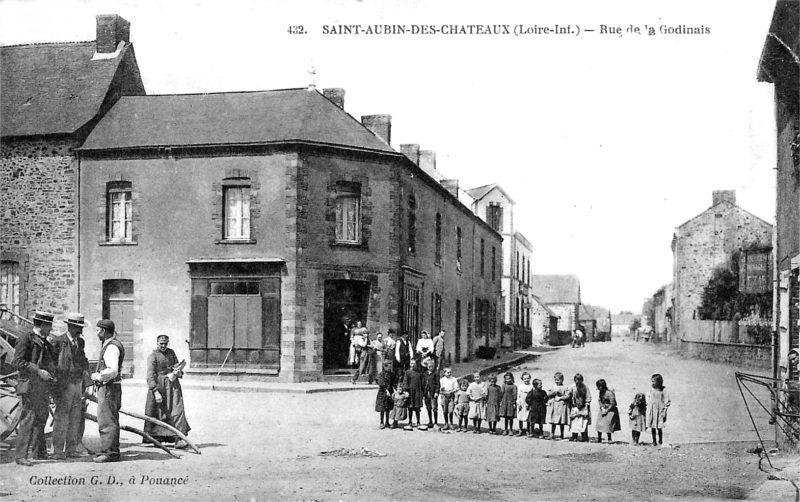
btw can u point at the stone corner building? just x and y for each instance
(254, 225)
(706, 241)
(51, 95)
(780, 66)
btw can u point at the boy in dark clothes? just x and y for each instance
(537, 403)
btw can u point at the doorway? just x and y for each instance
(118, 306)
(346, 301)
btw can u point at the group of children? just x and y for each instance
(401, 398)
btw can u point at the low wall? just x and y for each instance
(738, 354)
(711, 331)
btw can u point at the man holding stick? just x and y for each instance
(108, 381)
(34, 359)
(165, 397)
(70, 369)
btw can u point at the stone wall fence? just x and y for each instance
(740, 343)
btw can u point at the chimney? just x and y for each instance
(724, 196)
(427, 162)
(451, 186)
(380, 125)
(111, 30)
(411, 151)
(335, 95)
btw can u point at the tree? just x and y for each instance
(636, 324)
(722, 300)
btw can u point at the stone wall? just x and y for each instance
(731, 353)
(38, 221)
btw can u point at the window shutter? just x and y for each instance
(271, 312)
(199, 316)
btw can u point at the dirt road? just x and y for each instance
(266, 447)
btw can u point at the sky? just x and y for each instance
(606, 141)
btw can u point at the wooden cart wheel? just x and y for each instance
(10, 408)
(9, 411)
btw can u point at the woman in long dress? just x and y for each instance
(608, 414)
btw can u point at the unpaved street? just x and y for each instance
(266, 446)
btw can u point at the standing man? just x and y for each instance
(70, 369)
(438, 350)
(165, 399)
(402, 354)
(364, 351)
(108, 381)
(35, 361)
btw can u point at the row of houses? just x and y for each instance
(252, 227)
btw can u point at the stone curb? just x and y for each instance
(316, 387)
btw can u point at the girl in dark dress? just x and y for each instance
(493, 397)
(608, 416)
(508, 403)
(537, 403)
(412, 381)
(386, 385)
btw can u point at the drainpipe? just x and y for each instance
(775, 306)
(78, 223)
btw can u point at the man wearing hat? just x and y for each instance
(165, 397)
(108, 381)
(70, 369)
(35, 361)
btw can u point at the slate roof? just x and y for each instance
(545, 307)
(232, 118)
(778, 58)
(556, 288)
(52, 88)
(480, 192)
(592, 312)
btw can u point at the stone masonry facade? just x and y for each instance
(38, 215)
(708, 241)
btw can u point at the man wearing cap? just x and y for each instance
(35, 361)
(438, 350)
(70, 369)
(108, 381)
(165, 397)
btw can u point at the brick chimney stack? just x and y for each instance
(723, 196)
(111, 30)
(451, 186)
(427, 162)
(380, 125)
(336, 96)
(411, 151)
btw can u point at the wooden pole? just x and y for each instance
(220, 368)
(152, 421)
(135, 431)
